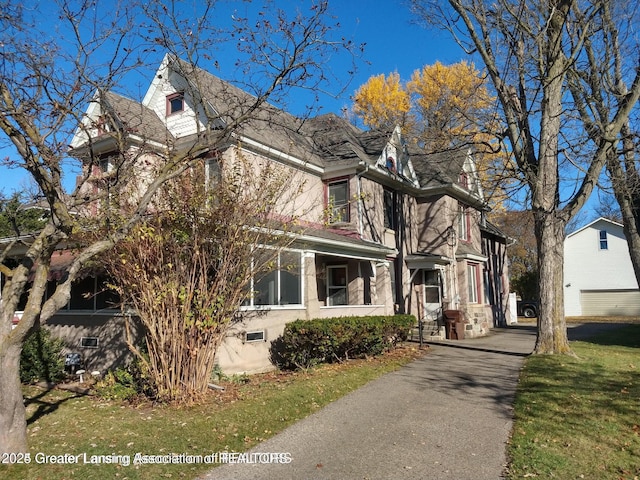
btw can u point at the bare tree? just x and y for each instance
(622, 162)
(50, 71)
(186, 270)
(542, 59)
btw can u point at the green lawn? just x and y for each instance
(249, 411)
(579, 418)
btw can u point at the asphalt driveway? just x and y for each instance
(445, 416)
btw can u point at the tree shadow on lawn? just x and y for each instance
(620, 334)
(45, 407)
(582, 400)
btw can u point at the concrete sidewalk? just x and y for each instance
(445, 416)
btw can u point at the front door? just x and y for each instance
(432, 295)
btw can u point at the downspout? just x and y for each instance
(359, 193)
(452, 241)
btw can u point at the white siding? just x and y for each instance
(610, 303)
(589, 268)
(166, 83)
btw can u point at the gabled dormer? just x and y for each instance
(395, 159)
(468, 178)
(178, 100)
(113, 121)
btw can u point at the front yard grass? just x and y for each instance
(579, 418)
(250, 410)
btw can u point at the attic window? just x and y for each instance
(103, 125)
(391, 164)
(464, 180)
(175, 103)
(604, 243)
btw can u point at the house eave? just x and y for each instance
(278, 155)
(426, 261)
(471, 256)
(334, 247)
(108, 142)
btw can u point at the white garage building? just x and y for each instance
(598, 275)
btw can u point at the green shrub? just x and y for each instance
(126, 383)
(41, 358)
(306, 343)
(117, 384)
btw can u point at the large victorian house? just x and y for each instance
(384, 227)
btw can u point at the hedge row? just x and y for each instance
(306, 343)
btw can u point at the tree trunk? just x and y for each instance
(13, 422)
(552, 328)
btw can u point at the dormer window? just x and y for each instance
(391, 164)
(103, 125)
(175, 103)
(464, 180)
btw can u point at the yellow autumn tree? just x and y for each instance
(452, 103)
(383, 102)
(441, 107)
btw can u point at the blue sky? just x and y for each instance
(393, 44)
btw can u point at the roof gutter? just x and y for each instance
(278, 155)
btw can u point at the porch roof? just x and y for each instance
(465, 251)
(343, 244)
(423, 260)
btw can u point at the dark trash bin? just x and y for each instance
(460, 327)
(453, 321)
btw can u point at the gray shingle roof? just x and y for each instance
(325, 140)
(339, 142)
(262, 123)
(437, 169)
(135, 118)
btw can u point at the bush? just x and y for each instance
(126, 383)
(117, 384)
(306, 343)
(41, 359)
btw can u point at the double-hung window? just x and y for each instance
(473, 270)
(337, 285)
(604, 242)
(338, 201)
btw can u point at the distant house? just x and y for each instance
(388, 228)
(598, 275)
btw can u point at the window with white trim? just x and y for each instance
(473, 271)
(337, 285)
(280, 283)
(463, 223)
(604, 241)
(338, 201)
